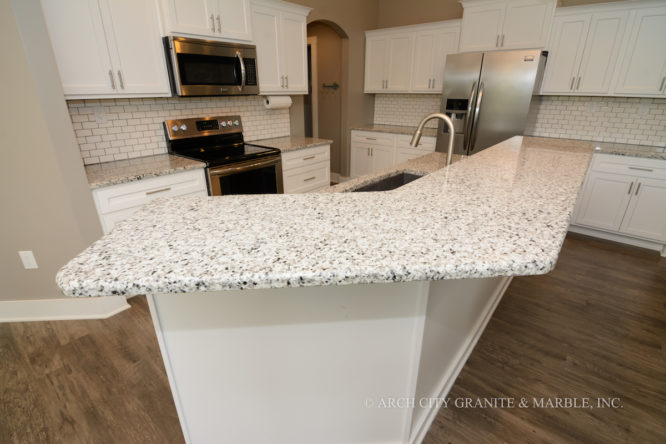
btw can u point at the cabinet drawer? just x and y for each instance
(308, 178)
(309, 156)
(634, 166)
(373, 137)
(133, 194)
(427, 143)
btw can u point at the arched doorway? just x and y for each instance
(325, 111)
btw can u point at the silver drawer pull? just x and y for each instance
(641, 169)
(370, 138)
(161, 190)
(309, 179)
(309, 157)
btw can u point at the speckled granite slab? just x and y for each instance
(122, 171)
(621, 149)
(396, 129)
(291, 143)
(502, 212)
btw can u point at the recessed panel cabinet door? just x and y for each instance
(293, 52)
(447, 43)
(526, 24)
(376, 48)
(425, 52)
(646, 215)
(604, 200)
(192, 16)
(565, 54)
(361, 162)
(266, 34)
(234, 19)
(382, 157)
(643, 65)
(80, 47)
(136, 46)
(399, 67)
(481, 27)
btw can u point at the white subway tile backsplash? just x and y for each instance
(631, 120)
(133, 127)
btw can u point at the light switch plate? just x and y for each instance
(28, 259)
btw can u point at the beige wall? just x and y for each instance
(354, 17)
(46, 204)
(400, 12)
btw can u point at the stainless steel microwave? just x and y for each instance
(209, 68)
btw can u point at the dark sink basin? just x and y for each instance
(389, 183)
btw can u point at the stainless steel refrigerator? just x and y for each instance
(488, 95)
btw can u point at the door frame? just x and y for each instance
(314, 95)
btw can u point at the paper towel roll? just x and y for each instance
(277, 102)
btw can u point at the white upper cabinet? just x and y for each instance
(505, 24)
(107, 48)
(583, 52)
(410, 58)
(642, 69)
(281, 40)
(220, 19)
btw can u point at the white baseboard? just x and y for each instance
(618, 238)
(62, 309)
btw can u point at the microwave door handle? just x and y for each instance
(243, 73)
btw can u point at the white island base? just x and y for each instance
(334, 364)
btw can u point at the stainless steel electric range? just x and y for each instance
(233, 166)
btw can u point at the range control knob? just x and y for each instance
(174, 128)
(236, 123)
(183, 127)
(229, 122)
(223, 123)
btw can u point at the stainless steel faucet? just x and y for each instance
(416, 138)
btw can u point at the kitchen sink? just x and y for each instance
(389, 183)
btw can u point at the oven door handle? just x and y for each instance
(243, 72)
(239, 168)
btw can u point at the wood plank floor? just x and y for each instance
(596, 326)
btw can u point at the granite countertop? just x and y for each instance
(130, 170)
(502, 212)
(290, 143)
(622, 149)
(396, 129)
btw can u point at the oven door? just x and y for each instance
(205, 68)
(257, 176)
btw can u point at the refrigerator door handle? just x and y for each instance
(477, 110)
(468, 118)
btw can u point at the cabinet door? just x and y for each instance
(447, 43)
(382, 157)
(604, 200)
(234, 19)
(192, 16)
(600, 54)
(643, 66)
(376, 48)
(361, 162)
(425, 50)
(136, 46)
(646, 215)
(527, 24)
(482, 27)
(79, 45)
(266, 37)
(566, 51)
(399, 67)
(293, 52)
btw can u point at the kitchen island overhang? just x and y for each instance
(396, 289)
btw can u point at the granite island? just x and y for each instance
(335, 317)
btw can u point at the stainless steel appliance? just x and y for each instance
(488, 95)
(209, 68)
(233, 167)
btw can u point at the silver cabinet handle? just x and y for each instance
(219, 23)
(631, 185)
(663, 80)
(370, 138)
(578, 84)
(638, 188)
(113, 82)
(212, 22)
(309, 179)
(641, 169)
(497, 41)
(281, 81)
(286, 81)
(573, 79)
(120, 78)
(161, 190)
(367, 151)
(502, 41)
(309, 157)
(372, 151)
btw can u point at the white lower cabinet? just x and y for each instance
(118, 202)
(375, 151)
(625, 195)
(306, 170)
